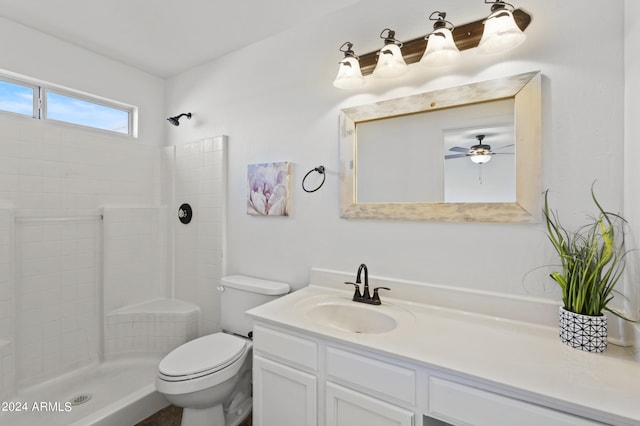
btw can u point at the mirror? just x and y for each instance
(412, 158)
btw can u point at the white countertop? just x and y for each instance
(524, 358)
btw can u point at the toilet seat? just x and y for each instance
(202, 357)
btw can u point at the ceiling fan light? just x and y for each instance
(441, 49)
(349, 74)
(480, 158)
(501, 33)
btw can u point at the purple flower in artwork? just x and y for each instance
(267, 191)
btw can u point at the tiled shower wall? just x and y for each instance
(68, 170)
(7, 359)
(58, 308)
(199, 178)
(6, 288)
(52, 171)
(49, 170)
(135, 255)
(156, 326)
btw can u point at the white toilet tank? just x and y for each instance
(238, 294)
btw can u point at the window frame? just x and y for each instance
(36, 95)
(41, 90)
(44, 92)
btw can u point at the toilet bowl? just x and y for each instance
(204, 374)
(210, 377)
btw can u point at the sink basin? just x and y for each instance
(352, 317)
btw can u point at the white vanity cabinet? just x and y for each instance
(284, 379)
(361, 389)
(305, 380)
(345, 407)
(441, 364)
(461, 404)
(282, 395)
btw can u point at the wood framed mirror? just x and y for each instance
(389, 147)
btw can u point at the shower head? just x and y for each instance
(176, 120)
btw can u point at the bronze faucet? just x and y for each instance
(365, 297)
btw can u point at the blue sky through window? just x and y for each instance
(78, 111)
(16, 98)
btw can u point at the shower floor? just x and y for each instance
(122, 392)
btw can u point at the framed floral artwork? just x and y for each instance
(268, 189)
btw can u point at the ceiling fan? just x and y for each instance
(479, 153)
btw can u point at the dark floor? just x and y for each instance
(172, 416)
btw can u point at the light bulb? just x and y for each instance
(441, 49)
(390, 62)
(349, 74)
(480, 158)
(501, 33)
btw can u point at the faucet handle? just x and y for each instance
(375, 299)
(356, 293)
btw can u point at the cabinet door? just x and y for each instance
(348, 408)
(465, 405)
(282, 396)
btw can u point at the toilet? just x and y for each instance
(210, 377)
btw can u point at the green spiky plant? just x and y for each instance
(592, 260)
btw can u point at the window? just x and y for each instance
(74, 110)
(18, 98)
(48, 103)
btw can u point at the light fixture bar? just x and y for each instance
(466, 36)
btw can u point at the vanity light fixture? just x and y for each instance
(501, 33)
(441, 49)
(349, 74)
(390, 61)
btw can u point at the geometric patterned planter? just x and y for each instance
(585, 332)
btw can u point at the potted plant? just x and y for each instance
(592, 262)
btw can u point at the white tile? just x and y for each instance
(6, 289)
(30, 367)
(8, 165)
(8, 182)
(5, 310)
(5, 272)
(54, 169)
(6, 329)
(29, 166)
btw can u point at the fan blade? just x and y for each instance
(458, 149)
(448, 157)
(505, 146)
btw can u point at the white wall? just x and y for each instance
(632, 144)
(36, 55)
(276, 102)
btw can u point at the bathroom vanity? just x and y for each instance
(322, 359)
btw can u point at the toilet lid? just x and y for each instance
(203, 354)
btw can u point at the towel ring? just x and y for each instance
(319, 169)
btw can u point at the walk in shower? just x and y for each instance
(92, 298)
